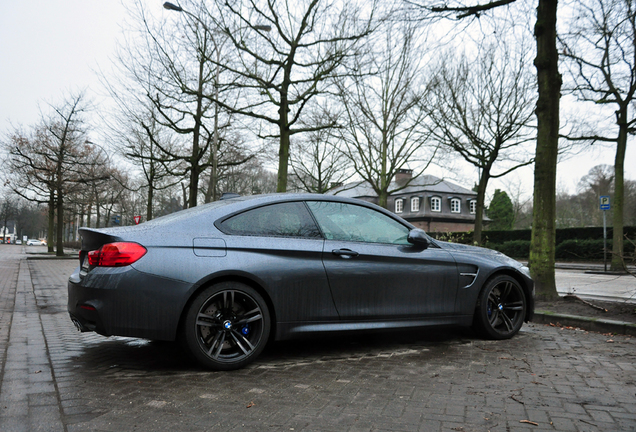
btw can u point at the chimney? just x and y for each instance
(402, 176)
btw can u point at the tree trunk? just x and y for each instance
(49, 234)
(619, 191)
(211, 194)
(283, 151)
(185, 196)
(196, 136)
(59, 243)
(98, 212)
(479, 213)
(542, 244)
(151, 193)
(383, 198)
(89, 214)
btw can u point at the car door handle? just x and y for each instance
(345, 253)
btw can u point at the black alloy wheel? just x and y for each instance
(501, 308)
(227, 326)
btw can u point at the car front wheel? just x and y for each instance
(501, 308)
(227, 326)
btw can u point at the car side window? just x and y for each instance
(350, 222)
(278, 220)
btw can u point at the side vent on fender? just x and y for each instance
(467, 275)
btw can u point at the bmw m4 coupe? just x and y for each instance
(227, 277)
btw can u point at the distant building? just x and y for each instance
(428, 202)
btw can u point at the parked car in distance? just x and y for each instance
(18, 242)
(229, 276)
(34, 242)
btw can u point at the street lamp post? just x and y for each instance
(212, 186)
(174, 7)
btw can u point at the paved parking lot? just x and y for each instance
(546, 378)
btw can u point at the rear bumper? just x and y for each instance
(125, 302)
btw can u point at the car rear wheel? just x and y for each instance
(501, 308)
(227, 326)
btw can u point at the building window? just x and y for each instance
(415, 204)
(456, 205)
(399, 205)
(473, 207)
(436, 204)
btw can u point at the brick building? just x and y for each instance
(428, 202)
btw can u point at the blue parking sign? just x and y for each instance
(605, 203)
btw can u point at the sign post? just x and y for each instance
(137, 220)
(605, 205)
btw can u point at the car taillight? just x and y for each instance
(117, 254)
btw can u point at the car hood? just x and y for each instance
(476, 250)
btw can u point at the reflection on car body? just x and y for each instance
(226, 277)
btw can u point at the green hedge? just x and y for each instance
(581, 249)
(570, 250)
(516, 243)
(562, 234)
(513, 248)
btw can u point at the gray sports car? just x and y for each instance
(226, 277)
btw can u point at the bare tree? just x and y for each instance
(250, 178)
(521, 203)
(597, 182)
(29, 172)
(141, 140)
(484, 111)
(230, 152)
(317, 160)
(166, 73)
(50, 161)
(8, 210)
(97, 171)
(600, 50)
(383, 128)
(543, 243)
(458, 9)
(281, 71)
(543, 237)
(170, 86)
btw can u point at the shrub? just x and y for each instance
(582, 249)
(454, 237)
(514, 249)
(73, 245)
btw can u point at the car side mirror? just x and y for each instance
(418, 237)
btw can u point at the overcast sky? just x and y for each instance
(50, 47)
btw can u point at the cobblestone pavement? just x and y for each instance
(545, 379)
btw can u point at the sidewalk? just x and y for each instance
(29, 396)
(593, 285)
(589, 282)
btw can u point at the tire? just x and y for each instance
(227, 326)
(501, 308)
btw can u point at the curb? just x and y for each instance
(585, 323)
(52, 257)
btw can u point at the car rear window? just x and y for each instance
(290, 219)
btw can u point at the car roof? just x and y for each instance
(187, 220)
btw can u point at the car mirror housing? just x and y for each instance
(418, 237)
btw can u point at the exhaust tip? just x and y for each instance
(78, 325)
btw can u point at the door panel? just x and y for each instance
(390, 281)
(374, 272)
